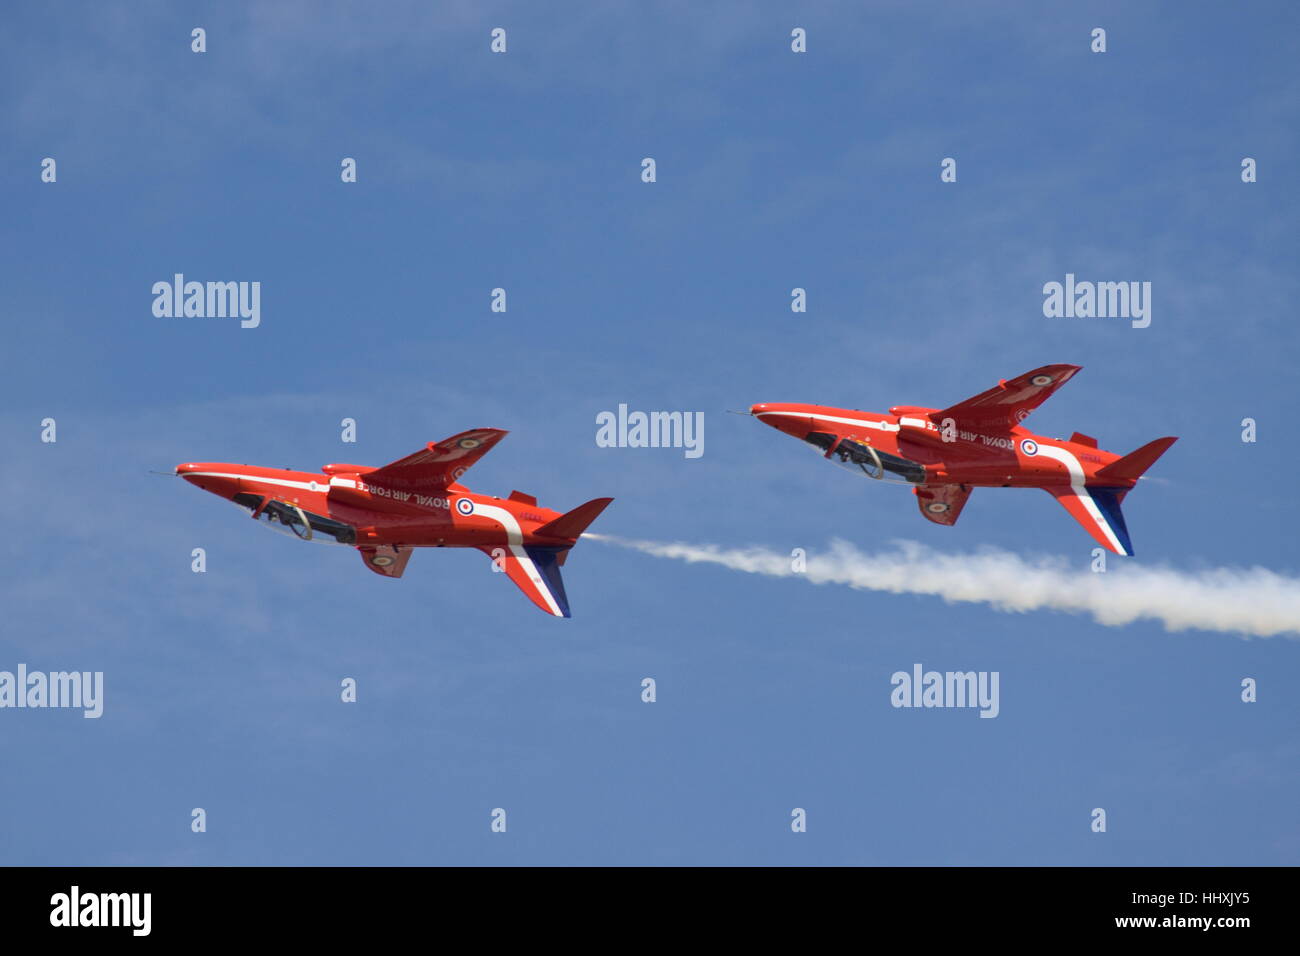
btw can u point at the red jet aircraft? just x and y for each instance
(413, 503)
(944, 453)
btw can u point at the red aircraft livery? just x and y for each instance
(413, 503)
(944, 453)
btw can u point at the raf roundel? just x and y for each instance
(465, 506)
(1041, 380)
(469, 443)
(381, 560)
(1029, 447)
(937, 507)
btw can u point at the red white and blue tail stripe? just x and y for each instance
(1097, 509)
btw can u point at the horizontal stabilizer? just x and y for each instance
(1132, 465)
(1079, 438)
(572, 525)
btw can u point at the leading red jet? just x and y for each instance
(945, 453)
(415, 502)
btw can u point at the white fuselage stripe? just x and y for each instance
(284, 482)
(879, 426)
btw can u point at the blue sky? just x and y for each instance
(775, 170)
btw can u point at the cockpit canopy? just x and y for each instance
(286, 518)
(861, 458)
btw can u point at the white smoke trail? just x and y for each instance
(1249, 601)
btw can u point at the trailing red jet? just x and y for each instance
(945, 453)
(415, 502)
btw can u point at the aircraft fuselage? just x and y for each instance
(980, 442)
(414, 502)
(962, 455)
(379, 514)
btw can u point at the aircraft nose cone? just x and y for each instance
(785, 418)
(210, 477)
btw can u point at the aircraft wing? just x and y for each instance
(536, 572)
(1010, 401)
(386, 560)
(942, 503)
(434, 467)
(1097, 509)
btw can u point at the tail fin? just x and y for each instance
(572, 525)
(1097, 509)
(536, 572)
(535, 568)
(1096, 506)
(1132, 465)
